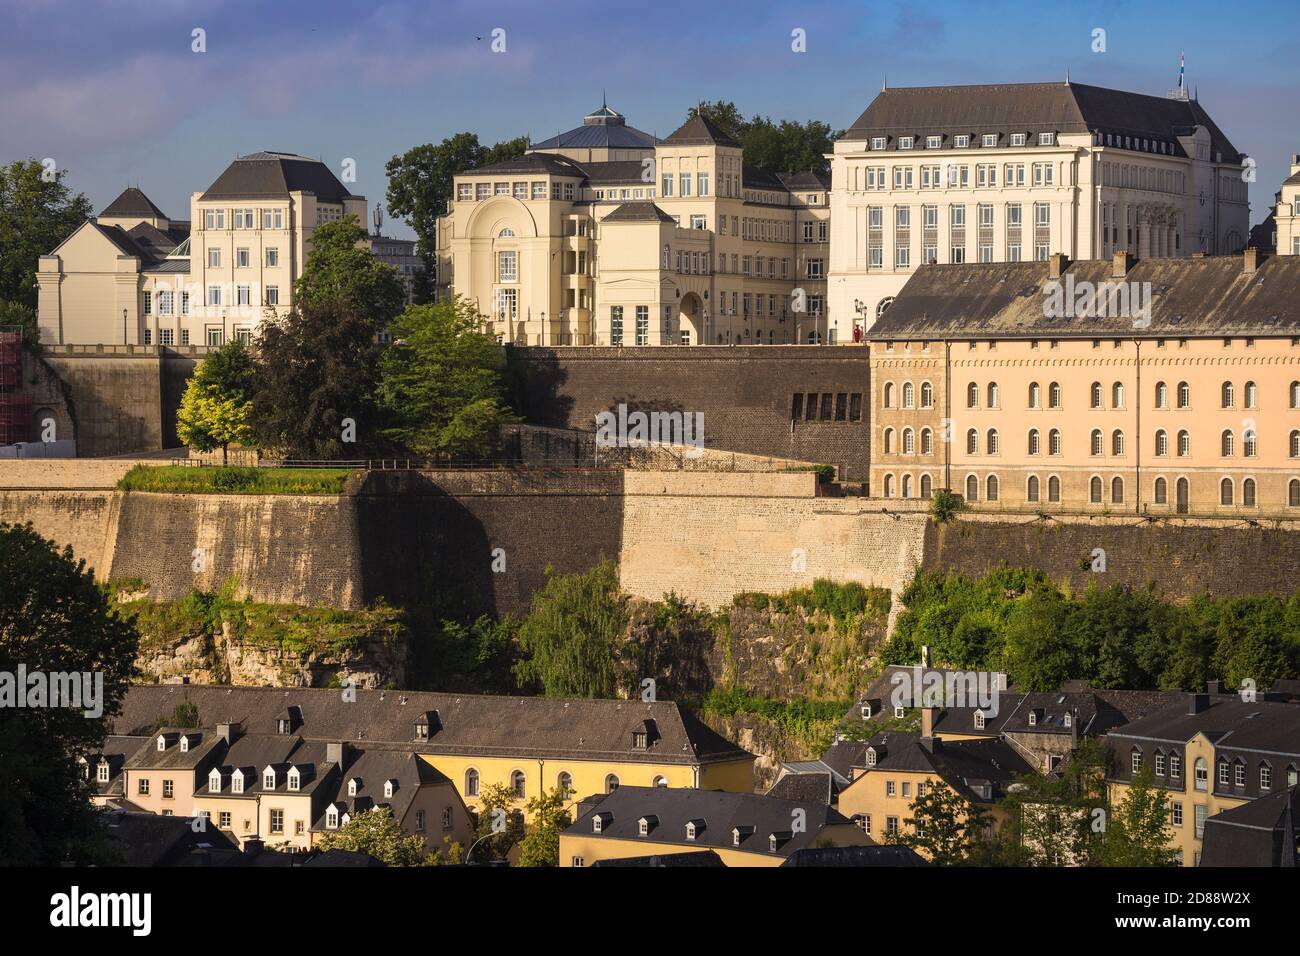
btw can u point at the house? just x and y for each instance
(1263, 832)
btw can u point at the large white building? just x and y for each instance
(1013, 172)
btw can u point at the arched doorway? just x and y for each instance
(1181, 496)
(690, 319)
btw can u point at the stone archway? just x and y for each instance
(690, 320)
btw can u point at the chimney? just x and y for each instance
(1197, 704)
(227, 732)
(1213, 687)
(1120, 265)
(253, 846)
(1056, 264)
(1074, 729)
(999, 680)
(928, 714)
(930, 743)
(336, 753)
(1250, 260)
(1295, 163)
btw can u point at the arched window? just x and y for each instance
(973, 488)
(1295, 444)
(993, 395)
(1162, 395)
(1249, 444)
(1184, 395)
(565, 782)
(1034, 448)
(1054, 395)
(1094, 395)
(1117, 442)
(1293, 493)
(1248, 492)
(1031, 489)
(1295, 394)
(506, 233)
(889, 441)
(1035, 395)
(972, 396)
(1117, 490)
(518, 783)
(1162, 442)
(1094, 490)
(927, 395)
(992, 488)
(1225, 392)
(1162, 492)
(909, 395)
(883, 305)
(1225, 491)
(889, 486)
(972, 442)
(1053, 489)
(889, 394)
(471, 782)
(909, 442)
(661, 782)
(1252, 395)
(1182, 496)
(1225, 443)
(611, 783)
(1054, 442)
(1184, 444)
(907, 486)
(1096, 441)
(927, 442)
(992, 442)
(926, 486)
(1117, 395)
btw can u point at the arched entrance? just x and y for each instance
(1181, 496)
(690, 319)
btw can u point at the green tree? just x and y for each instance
(944, 827)
(787, 146)
(541, 844)
(571, 635)
(376, 833)
(53, 619)
(37, 212)
(1033, 652)
(440, 382)
(316, 367)
(20, 316)
(500, 825)
(340, 270)
(215, 408)
(1138, 830)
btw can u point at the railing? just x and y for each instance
(364, 464)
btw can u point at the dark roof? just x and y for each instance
(700, 130)
(203, 746)
(843, 755)
(805, 180)
(1194, 296)
(1226, 720)
(856, 856)
(966, 765)
(464, 724)
(601, 128)
(637, 211)
(621, 171)
(1034, 108)
(122, 239)
(720, 811)
(344, 858)
(157, 243)
(150, 839)
(373, 767)
(270, 175)
(755, 178)
(696, 858)
(133, 202)
(1262, 832)
(529, 163)
(116, 750)
(804, 786)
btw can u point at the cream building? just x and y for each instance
(1017, 172)
(1286, 214)
(605, 235)
(132, 276)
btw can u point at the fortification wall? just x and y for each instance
(82, 519)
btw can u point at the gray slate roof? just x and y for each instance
(601, 128)
(637, 211)
(700, 131)
(856, 856)
(272, 175)
(133, 202)
(1262, 832)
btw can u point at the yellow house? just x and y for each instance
(744, 829)
(1210, 754)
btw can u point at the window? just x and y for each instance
(508, 266)
(927, 395)
(1117, 491)
(1184, 395)
(1054, 442)
(992, 443)
(277, 821)
(1034, 442)
(972, 442)
(992, 391)
(142, 786)
(1162, 395)
(1094, 490)
(991, 489)
(1265, 778)
(1035, 395)
(1175, 813)
(214, 258)
(616, 324)
(1117, 443)
(1225, 443)
(1096, 442)
(611, 783)
(471, 783)
(972, 488)
(1095, 395)
(1135, 760)
(1046, 139)
(972, 395)
(1053, 489)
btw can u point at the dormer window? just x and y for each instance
(877, 142)
(639, 738)
(600, 821)
(422, 729)
(871, 756)
(1033, 718)
(162, 742)
(237, 782)
(282, 726)
(961, 140)
(738, 834)
(268, 779)
(346, 818)
(295, 779)
(899, 712)
(1046, 139)
(214, 780)
(101, 772)
(979, 719)
(778, 839)
(389, 787)
(905, 142)
(353, 786)
(332, 818)
(646, 824)
(866, 711)
(1017, 139)
(989, 139)
(933, 142)
(693, 828)
(1069, 720)
(185, 743)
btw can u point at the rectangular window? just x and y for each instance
(273, 295)
(165, 337)
(855, 407)
(616, 325)
(214, 295)
(685, 182)
(642, 325)
(214, 258)
(148, 303)
(508, 266)
(464, 192)
(216, 338)
(272, 257)
(484, 191)
(703, 183)
(521, 190)
(241, 258)
(816, 269)
(277, 821)
(243, 295)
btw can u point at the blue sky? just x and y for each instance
(113, 92)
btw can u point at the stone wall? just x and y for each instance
(744, 393)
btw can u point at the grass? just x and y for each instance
(178, 479)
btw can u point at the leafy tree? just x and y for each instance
(945, 827)
(18, 315)
(184, 715)
(571, 634)
(376, 833)
(1138, 830)
(1106, 630)
(215, 408)
(945, 506)
(440, 382)
(37, 212)
(316, 367)
(1033, 652)
(420, 181)
(340, 270)
(496, 839)
(53, 619)
(787, 146)
(541, 844)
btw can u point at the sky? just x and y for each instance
(116, 94)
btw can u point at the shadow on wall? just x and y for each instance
(534, 382)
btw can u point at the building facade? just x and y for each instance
(1018, 172)
(606, 235)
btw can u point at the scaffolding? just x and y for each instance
(15, 407)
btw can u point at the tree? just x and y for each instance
(339, 270)
(420, 181)
(215, 408)
(20, 316)
(572, 632)
(316, 367)
(541, 844)
(37, 212)
(945, 827)
(1033, 652)
(784, 147)
(440, 381)
(1138, 830)
(500, 824)
(376, 833)
(53, 619)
